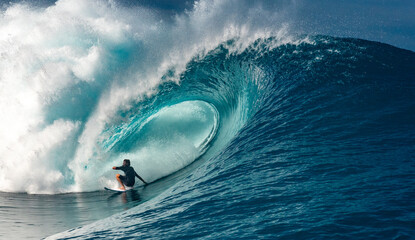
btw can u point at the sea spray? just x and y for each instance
(84, 63)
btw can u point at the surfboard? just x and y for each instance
(118, 190)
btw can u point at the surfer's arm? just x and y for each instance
(117, 168)
(140, 178)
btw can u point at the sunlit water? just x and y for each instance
(244, 127)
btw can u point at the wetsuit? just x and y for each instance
(130, 174)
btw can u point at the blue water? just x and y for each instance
(245, 132)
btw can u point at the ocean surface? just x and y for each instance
(249, 119)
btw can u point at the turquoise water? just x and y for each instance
(244, 126)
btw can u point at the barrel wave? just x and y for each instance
(244, 132)
(313, 137)
(164, 142)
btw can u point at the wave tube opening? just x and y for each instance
(165, 142)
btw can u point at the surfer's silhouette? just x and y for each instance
(129, 178)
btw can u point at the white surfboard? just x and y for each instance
(117, 189)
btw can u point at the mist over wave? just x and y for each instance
(241, 123)
(69, 71)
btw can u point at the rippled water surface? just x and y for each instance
(243, 127)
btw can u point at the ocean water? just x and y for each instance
(250, 120)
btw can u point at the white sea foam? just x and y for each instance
(108, 54)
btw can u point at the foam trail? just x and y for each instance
(68, 70)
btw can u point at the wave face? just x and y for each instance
(314, 137)
(80, 79)
(278, 136)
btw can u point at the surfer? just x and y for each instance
(129, 178)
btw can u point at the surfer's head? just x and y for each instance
(126, 162)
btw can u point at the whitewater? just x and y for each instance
(244, 126)
(74, 70)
